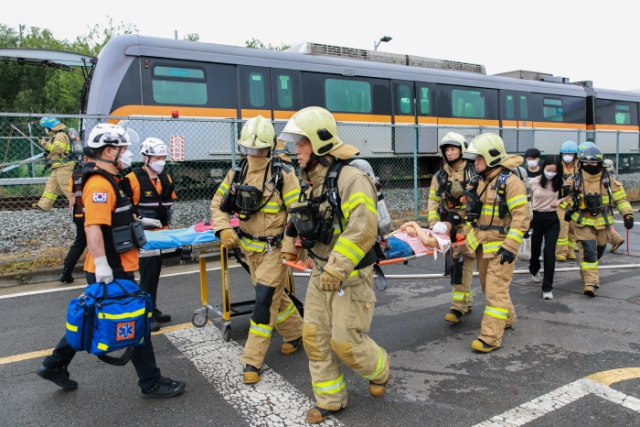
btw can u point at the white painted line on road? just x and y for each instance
(556, 399)
(271, 402)
(70, 288)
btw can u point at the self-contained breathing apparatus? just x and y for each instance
(474, 204)
(591, 202)
(451, 194)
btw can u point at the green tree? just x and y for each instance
(192, 37)
(257, 44)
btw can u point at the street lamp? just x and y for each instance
(383, 39)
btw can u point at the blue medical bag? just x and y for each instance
(109, 317)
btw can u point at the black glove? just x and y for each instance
(628, 222)
(528, 233)
(507, 256)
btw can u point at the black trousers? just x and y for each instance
(78, 246)
(546, 225)
(143, 359)
(150, 268)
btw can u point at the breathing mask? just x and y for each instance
(248, 199)
(592, 169)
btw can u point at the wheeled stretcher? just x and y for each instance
(184, 242)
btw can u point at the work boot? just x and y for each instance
(377, 389)
(251, 375)
(590, 290)
(65, 276)
(317, 415)
(291, 346)
(160, 317)
(453, 316)
(571, 256)
(58, 376)
(154, 325)
(561, 257)
(164, 388)
(615, 246)
(483, 347)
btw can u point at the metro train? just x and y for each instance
(388, 105)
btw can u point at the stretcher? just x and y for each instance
(186, 242)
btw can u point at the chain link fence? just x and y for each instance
(404, 157)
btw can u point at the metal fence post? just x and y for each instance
(32, 166)
(617, 153)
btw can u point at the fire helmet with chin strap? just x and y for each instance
(488, 145)
(257, 134)
(455, 140)
(569, 147)
(584, 146)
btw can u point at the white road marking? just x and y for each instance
(556, 399)
(271, 402)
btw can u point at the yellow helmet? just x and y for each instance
(256, 134)
(454, 139)
(488, 145)
(319, 127)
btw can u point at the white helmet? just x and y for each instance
(107, 134)
(154, 147)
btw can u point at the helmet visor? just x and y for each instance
(292, 138)
(258, 152)
(470, 156)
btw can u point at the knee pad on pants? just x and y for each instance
(589, 248)
(600, 250)
(456, 274)
(264, 298)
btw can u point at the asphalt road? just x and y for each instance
(542, 376)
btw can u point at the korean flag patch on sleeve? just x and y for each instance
(99, 197)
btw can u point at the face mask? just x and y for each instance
(157, 166)
(567, 158)
(550, 175)
(532, 163)
(592, 169)
(257, 163)
(126, 158)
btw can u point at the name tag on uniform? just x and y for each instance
(99, 197)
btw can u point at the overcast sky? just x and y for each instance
(580, 39)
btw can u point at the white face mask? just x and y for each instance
(157, 166)
(532, 163)
(567, 158)
(126, 158)
(550, 175)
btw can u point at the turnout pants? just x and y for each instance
(499, 311)
(335, 329)
(614, 236)
(143, 359)
(546, 226)
(566, 239)
(58, 183)
(461, 276)
(592, 243)
(273, 307)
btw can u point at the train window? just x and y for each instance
(404, 99)
(552, 110)
(425, 101)
(509, 107)
(256, 90)
(622, 116)
(467, 103)
(352, 96)
(284, 92)
(524, 107)
(179, 86)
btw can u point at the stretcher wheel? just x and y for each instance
(226, 333)
(199, 318)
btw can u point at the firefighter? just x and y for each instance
(260, 190)
(594, 193)
(106, 207)
(336, 220)
(498, 218)
(152, 195)
(447, 187)
(615, 239)
(566, 245)
(59, 159)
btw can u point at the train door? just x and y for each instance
(525, 137)
(404, 116)
(287, 97)
(255, 92)
(509, 120)
(427, 117)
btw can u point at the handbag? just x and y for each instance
(109, 317)
(524, 252)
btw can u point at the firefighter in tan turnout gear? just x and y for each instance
(261, 190)
(594, 193)
(59, 147)
(498, 217)
(447, 187)
(566, 244)
(336, 220)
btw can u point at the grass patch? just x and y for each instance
(24, 262)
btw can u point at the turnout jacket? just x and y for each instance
(514, 224)
(359, 218)
(592, 184)
(568, 171)
(271, 220)
(58, 146)
(436, 197)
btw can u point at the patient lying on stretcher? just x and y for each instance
(411, 239)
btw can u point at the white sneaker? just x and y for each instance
(547, 295)
(536, 278)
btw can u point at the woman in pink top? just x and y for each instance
(545, 223)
